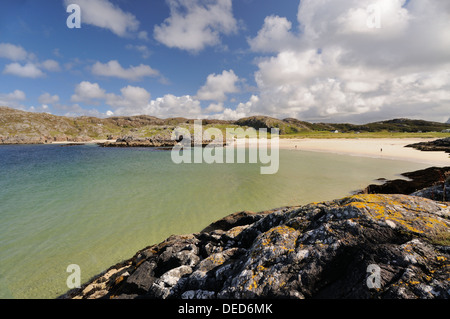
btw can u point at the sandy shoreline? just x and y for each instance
(386, 148)
(90, 142)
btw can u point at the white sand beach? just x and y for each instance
(388, 148)
(90, 142)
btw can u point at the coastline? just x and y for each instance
(330, 161)
(225, 260)
(77, 143)
(382, 148)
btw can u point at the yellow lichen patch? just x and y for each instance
(275, 242)
(280, 236)
(139, 263)
(217, 259)
(260, 277)
(252, 285)
(119, 280)
(233, 232)
(399, 209)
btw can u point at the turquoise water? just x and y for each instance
(95, 206)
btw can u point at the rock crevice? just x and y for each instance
(320, 250)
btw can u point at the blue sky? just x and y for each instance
(316, 60)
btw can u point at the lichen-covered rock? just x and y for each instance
(439, 191)
(363, 246)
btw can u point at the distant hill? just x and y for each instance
(287, 126)
(20, 127)
(291, 125)
(407, 125)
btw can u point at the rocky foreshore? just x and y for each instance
(129, 141)
(432, 180)
(439, 145)
(156, 141)
(33, 140)
(362, 246)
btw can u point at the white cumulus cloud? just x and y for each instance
(28, 70)
(47, 98)
(218, 85)
(12, 52)
(104, 14)
(50, 65)
(273, 36)
(196, 24)
(88, 92)
(114, 69)
(335, 66)
(132, 98)
(12, 99)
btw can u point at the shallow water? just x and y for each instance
(95, 206)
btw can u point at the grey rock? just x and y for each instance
(319, 250)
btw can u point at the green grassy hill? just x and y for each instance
(18, 127)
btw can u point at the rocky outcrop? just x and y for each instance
(363, 246)
(440, 145)
(155, 141)
(26, 139)
(130, 141)
(439, 192)
(22, 139)
(415, 181)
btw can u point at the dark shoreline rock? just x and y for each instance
(440, 145)
(320, 250)
(156, 142)
(417, 180)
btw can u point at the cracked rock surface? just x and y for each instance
(363, 246)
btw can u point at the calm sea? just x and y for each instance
(95, 207)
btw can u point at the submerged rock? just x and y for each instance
(363, 246)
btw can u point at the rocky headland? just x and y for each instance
(432, 180)
(440, 145)
(155, 141)
(392, 246)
